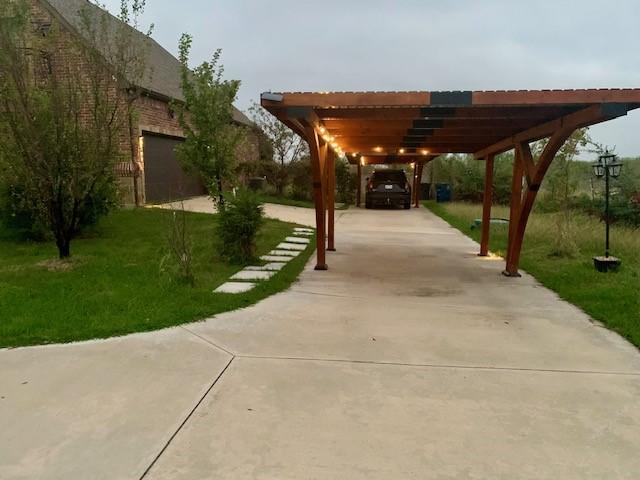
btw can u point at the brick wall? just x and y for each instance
(152, 114)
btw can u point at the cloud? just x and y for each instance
(415, 45)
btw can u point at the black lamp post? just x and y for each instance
(607, 166)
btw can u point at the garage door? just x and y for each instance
(164, 178)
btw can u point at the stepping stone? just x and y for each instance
(252, 275)
(303, 234)
(297, 240)
(285, 253)
(275, 258)
(291, 246)
(300, 229)
(234, 287)
(269, 267)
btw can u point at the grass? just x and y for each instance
(611, 298)
(294, 203)
(114, 285)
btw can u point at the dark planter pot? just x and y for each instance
(604, 264)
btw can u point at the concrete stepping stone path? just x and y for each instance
(275, 258)
(234, 287)
(297, 240)
(291, 246)
(270, 267)
(285, 253)
(245, 279)
(252, 275)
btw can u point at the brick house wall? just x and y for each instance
(152, 112)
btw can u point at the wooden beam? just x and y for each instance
(514, 210)
(352, 99)
(524, 151)
(359, 185)
(517, 230)
(582, 118)
(317, 163)
(546, 97)
(383, 123)
(331, 199)
(486, 206)
(418, 183)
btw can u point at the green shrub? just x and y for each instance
(239, 221)
(20, 216)
(346, 182)
(301, 179)
(17, 217)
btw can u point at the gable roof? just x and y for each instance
(165, 78)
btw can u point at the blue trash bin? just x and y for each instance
(443, 192)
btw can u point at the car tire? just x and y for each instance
(407, 206)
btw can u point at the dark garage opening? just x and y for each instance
(164, 178)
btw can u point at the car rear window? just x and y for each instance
(391, 176)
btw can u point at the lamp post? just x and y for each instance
(607, 166)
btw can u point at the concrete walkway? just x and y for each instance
(409, 358)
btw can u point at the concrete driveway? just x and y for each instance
(409, 358)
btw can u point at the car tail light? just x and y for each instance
(370, 185)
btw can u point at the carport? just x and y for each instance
(416, 127)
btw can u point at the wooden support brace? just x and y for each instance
(518, 222)
(514, 210)
(359, 185)
(486, 206)
(417, 183)
(331, 198)
(318, 157)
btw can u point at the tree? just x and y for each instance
(63, 117)
(287, 145)
(206, 116)
(345, 182)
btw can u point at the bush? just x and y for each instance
(179, 259)
(19, 215)
(239, 221)
(346, 182)
(301, 179)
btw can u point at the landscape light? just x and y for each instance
(607, 166)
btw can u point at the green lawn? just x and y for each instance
(612, 298)
(115, 285)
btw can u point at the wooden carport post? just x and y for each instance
(359, 185)
(514, 208)
(318, 150)
(331, 198)
(417, 182)
(486, 206)
(534, 174)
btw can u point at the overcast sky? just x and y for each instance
(331, 45)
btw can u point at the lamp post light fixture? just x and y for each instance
(607, 166)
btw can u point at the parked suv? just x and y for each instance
(388, 187)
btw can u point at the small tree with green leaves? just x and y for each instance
(206, 116)
(63, 116)
(287, 145)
